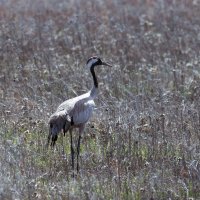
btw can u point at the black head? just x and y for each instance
(94, 61)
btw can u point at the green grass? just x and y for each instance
(143, 139)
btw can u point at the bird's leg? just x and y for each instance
(72, 150)
(64, 129)
(81, 129)
(63, 151)
(49, 136)
(78, 151)
(53, 140)
(48, 139)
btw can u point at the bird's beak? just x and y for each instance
(106, 64)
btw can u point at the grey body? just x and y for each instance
(75, 112)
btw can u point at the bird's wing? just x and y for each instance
(58, 121)
(82, 111)
(69, 104)
(80, 108)
(66, 105)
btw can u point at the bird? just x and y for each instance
(75, 112)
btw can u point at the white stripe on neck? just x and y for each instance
(91, 62)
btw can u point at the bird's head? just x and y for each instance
(94, 61)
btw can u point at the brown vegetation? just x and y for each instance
(144, 139)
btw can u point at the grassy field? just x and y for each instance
(143, 141)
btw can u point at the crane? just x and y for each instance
(75, 112)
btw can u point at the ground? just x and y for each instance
(143, 141)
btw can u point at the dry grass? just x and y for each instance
(144, 139)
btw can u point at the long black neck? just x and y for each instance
(94, 76)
